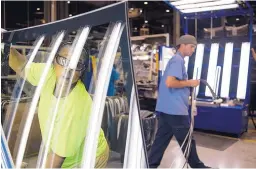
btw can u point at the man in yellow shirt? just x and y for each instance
(70, 125)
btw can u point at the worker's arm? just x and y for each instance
(54, 160)
(17, 61)
(175, 74)
(253, 54)
(173, 82)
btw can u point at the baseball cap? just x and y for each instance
(187, 39)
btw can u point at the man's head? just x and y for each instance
(187, 44)
(62, 60)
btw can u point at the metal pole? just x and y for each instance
(28, 13)
(4, 17)
(186, 25)
(251, 27)
(211, 27)
(53, 10)
(196, 27)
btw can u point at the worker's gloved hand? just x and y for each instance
(5, 51)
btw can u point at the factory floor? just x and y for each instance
(214, 150)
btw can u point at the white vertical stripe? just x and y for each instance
(198, 64)
(226, 74)
(212, 68)
(243, 71)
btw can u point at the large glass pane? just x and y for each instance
(55, 110)
(46, 111)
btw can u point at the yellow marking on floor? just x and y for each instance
(232, 138)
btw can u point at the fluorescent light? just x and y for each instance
(212, 8)
(212, 67)
(237, 19)
(183, 2)
(198, 64)
(226, 74)
(243, 71)
(145, 3)
(186, 59)
(70, 15)
(217, 80)
(146, 21)
(207, 4)
(167, 10)
(68, 2)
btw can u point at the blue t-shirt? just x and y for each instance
(114, 77)
(173, 100)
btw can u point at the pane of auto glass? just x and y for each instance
(67, 116)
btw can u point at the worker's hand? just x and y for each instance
(193, 83)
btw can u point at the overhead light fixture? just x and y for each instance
(243, 70)
(38, 9)
(132, 9)
(205, 4)
(162, 26)
(145, 3)
(167, 10)
(211, 75)
(211, 8)
(183, 2)
(70, 15)
(225, 82)
(237, 19)
(198, 64)
(68, 2)
(146, 21)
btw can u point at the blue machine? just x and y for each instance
(224, 118)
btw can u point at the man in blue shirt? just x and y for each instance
(173, 103)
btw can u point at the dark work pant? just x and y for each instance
(169, 125)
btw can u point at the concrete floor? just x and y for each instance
(214, 150)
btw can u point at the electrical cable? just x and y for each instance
(193, 108)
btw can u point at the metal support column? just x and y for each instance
(176, 26)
